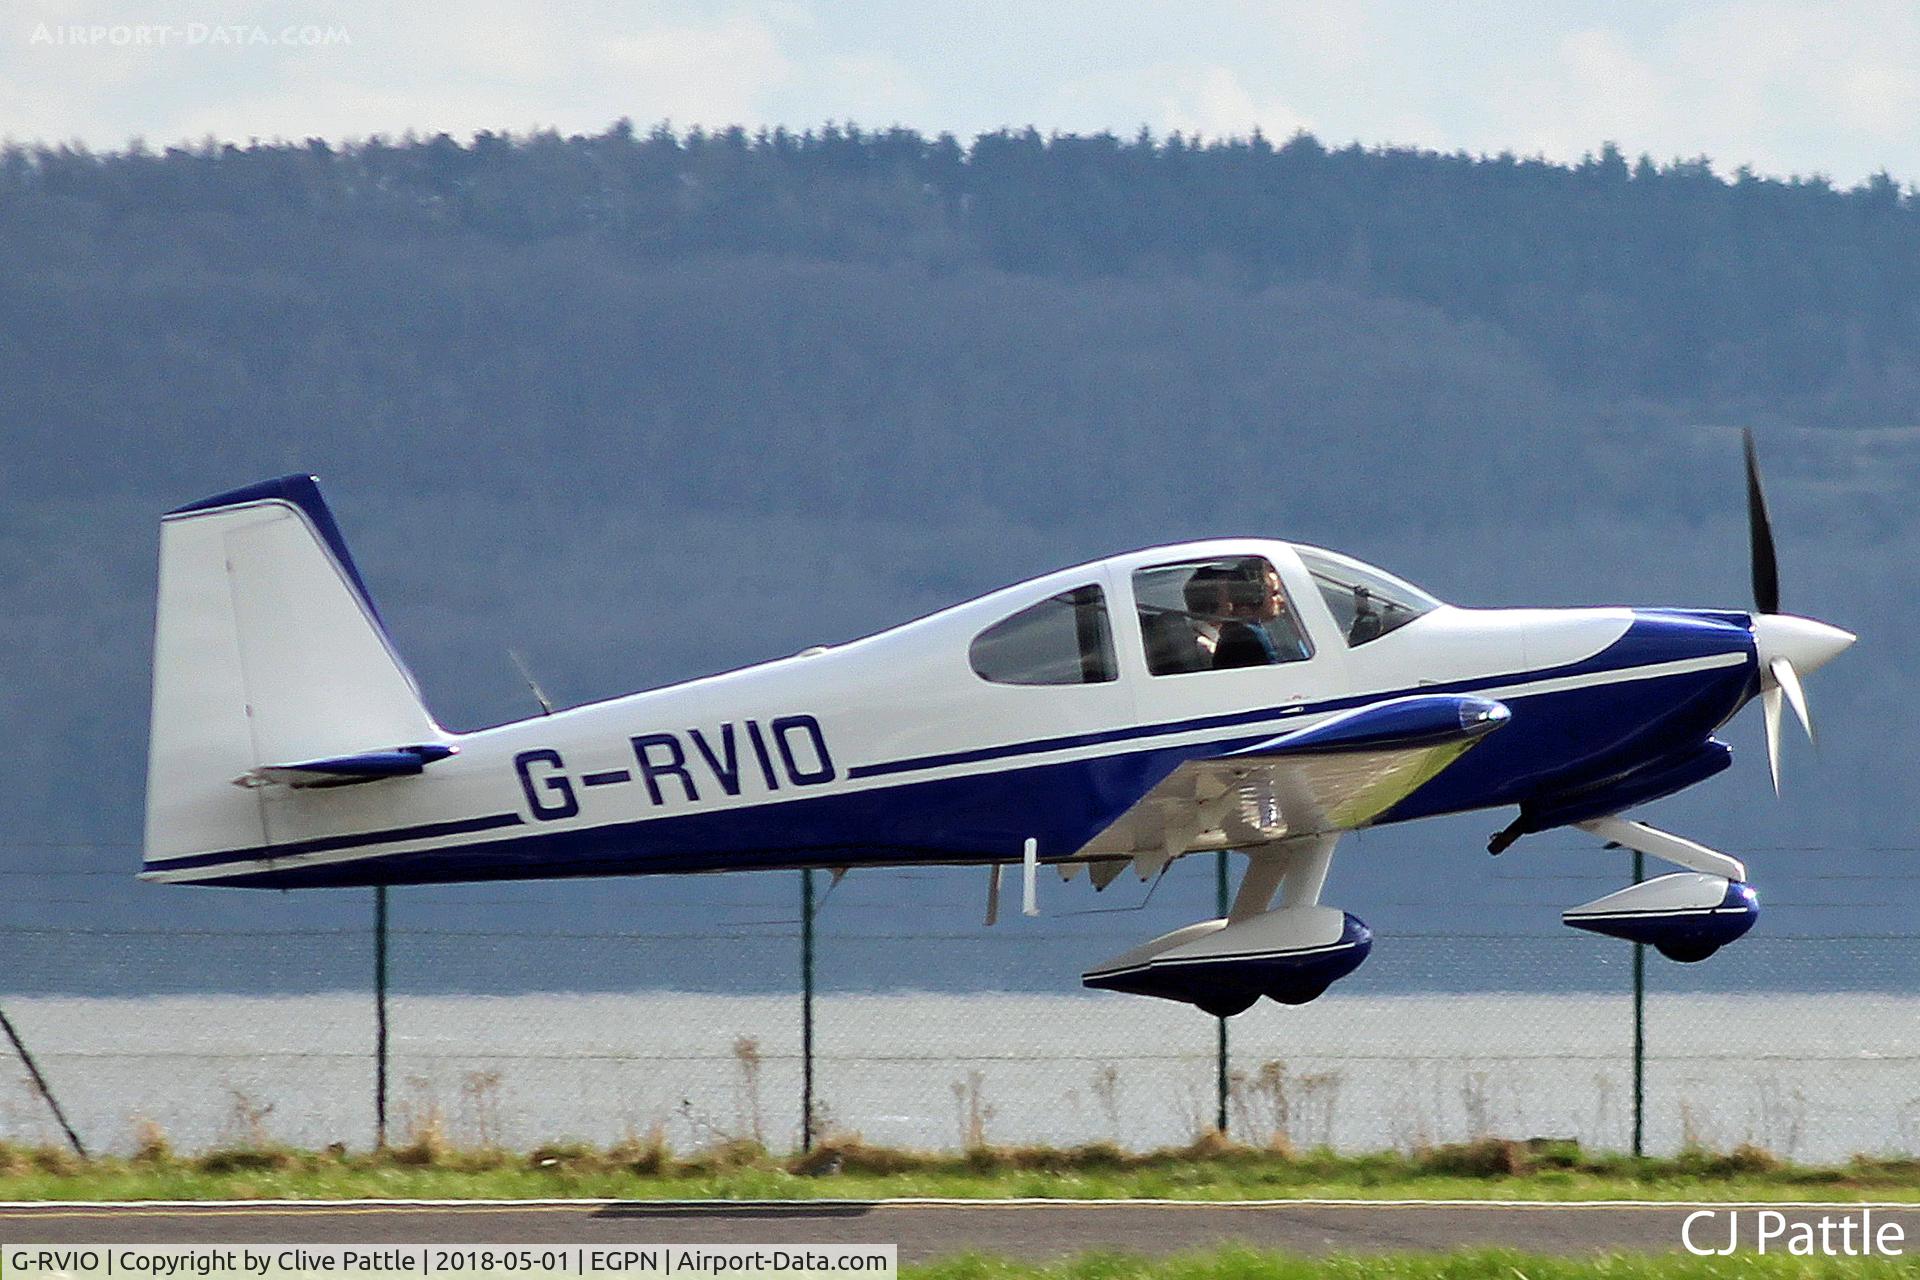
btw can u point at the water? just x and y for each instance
(1813, 1077)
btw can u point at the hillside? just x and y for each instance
(648, 405)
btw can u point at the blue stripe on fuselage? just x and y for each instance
(1554, 740)
(963, 819)
(1654, 636)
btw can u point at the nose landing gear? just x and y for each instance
(1685, 915)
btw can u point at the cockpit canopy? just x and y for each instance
(1199, 612)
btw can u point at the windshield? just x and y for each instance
(1366, 603)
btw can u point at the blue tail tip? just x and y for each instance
(302, 491)
(299, 488)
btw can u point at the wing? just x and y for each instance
(1335, 775)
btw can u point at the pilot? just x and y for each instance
(1209, 604)
(1367, 622)
(1241, 616)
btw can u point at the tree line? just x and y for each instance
(1629, 276)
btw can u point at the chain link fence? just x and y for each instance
(523, 1014)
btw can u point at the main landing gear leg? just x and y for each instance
(1290, 953)
(1295, 869)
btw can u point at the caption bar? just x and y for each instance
(318, 1261)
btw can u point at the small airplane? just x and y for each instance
(1242, 694)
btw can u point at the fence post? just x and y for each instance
(380, 1016)
(1639, 1030)
(1220, 1049)
(40, 1084)
(806, 1010)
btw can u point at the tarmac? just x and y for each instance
(926, 1229)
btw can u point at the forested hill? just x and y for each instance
(650, 405)
(1641, 278)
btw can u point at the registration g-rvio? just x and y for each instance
(1238, 694)
(662, 760)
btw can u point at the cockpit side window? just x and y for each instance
(1366, 603)
(1213, 615)
(1065, 639)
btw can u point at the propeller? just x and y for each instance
(1787, 646)
(1766, 567)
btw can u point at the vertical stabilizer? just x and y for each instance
(267, 650)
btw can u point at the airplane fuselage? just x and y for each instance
(890, 750)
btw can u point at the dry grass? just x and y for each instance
(640, 1165)
(151, 1146)
(647, 1156)
(20, 1161)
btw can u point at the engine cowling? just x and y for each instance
(1686, 916)
(1291, 956)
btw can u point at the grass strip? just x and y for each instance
(1209, 1169)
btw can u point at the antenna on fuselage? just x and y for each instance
(526, 673)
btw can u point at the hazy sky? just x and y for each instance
(1799, 87)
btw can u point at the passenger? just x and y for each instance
(1274, 620)
(1216, 597)
(1237, 610)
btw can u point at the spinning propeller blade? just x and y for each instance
(1787, 647)
(1766, 600)
(1766, 568)
(1770, 708)
(1789, 682)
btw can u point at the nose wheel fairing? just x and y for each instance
(1686, 916)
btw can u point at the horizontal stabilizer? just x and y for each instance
(343, 771)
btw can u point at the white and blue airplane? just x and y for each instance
(1240, 694)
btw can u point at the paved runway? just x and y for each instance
(923, 1230)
